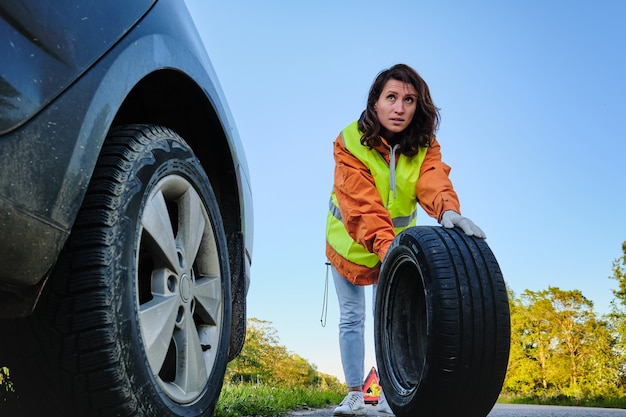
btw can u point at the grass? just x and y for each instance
(263, 400)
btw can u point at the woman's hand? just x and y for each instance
(451, 218)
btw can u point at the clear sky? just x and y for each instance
(532, 97)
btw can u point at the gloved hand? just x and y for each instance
(451, 218)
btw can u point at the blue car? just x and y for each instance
(125, 211)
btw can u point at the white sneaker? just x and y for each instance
(352, 405)
(383, 406)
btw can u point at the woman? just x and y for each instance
(385, 163)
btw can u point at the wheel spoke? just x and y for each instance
(191, 373)
(156, 222)
(192, 223)
(208, 294)
(158, 319)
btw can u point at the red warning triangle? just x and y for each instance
(371, 389)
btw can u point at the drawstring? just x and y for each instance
(325, 299)
(392, 170)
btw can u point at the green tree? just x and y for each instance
(263, 360)
(524, 373)
(617, 316)
(532, 336)
(574, 321)
(259, 354)
(601, 367)
(558, 346)
(619, 274)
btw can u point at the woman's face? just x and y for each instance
(396, 106)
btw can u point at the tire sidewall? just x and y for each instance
(399, 255)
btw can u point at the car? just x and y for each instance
(126, 217)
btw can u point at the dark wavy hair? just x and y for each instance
(425, 121)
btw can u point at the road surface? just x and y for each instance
(500, 410)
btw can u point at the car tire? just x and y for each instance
(442, 324)
(135, 319)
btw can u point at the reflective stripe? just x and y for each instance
(334, 210)
(404, 221)
(398, 222)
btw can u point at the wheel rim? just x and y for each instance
(405, 337)
(179, 290)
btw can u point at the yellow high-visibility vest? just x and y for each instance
(396, 186)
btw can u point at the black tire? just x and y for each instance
(442, 324)
(135, 320)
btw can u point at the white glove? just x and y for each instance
(451, 218)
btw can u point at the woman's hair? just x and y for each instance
(425, 121)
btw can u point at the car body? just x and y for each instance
(73, 72)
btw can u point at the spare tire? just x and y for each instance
(442, 324)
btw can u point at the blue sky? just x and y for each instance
(532, 97)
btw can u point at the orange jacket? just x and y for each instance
(363, 213)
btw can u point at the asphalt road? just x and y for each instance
(501, 410)
(517, 410)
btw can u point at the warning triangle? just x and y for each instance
(371, 389)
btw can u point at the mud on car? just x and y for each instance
(125, 211)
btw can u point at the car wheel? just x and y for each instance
(442, 324)
(135, 320)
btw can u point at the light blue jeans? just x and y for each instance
(352, 327)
